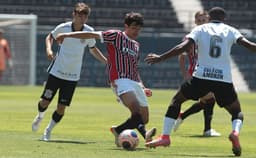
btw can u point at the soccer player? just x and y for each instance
(5, 53)
(212, 74)
(123, 57)
(207, 102)
(64, 70)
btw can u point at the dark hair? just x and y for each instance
(217, 13)
(133, 18)
(82, 8)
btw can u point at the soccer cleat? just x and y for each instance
(112, 129)
(211, 133)
(36, 123)
(163, 140)
(178, 122)
(236, 148)
(47, 135)
(149, 134)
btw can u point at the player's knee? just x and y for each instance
(239, 116)
(42, 106)
(61, 109)
(145, 120)
(173, 111)
(44, 103)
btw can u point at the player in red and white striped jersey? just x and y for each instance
(123, 57)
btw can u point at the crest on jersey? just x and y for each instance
(48, 93)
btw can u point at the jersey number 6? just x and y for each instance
(215, 50)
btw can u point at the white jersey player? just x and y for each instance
(214, 50)
(212, 74)
(64, 70)
(68, 61)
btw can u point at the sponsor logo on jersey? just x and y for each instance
(213, 73)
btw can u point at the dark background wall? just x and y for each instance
(162, 75)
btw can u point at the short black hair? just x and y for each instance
(217, 13)
(133, 18)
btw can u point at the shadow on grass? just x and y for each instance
(137, 149)
(194, 155)
(68, 141)
(200, 136)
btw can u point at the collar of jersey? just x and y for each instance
(73, 29)
(216, 21)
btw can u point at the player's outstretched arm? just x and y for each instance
(178, 49)
(78, 34)
(246, 43)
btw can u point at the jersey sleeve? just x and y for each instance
(236, 34)
(58, 29)
(91, 42)
(109, 36)
(194, 34)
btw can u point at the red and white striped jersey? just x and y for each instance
(123, 55)
(192, 56)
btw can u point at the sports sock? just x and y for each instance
(134, 122)
(41, 110)
(51, 125)
(168, 125)
(142, 130)
(41, 114)
(208, 112)
(56, 117)
(237, 125)
(196, 107)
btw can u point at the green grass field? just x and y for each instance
(84, 131)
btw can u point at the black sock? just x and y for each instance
(56, 117)
(142, 130)
(134, 122)
(173, 111)
(208, 112)
(196, 107)
(41, 109)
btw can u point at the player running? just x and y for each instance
(64, 70)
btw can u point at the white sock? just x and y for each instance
(51, 125)
(41, 114)
(168, 125)
(237, 125)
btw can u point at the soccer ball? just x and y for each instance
(128, 139)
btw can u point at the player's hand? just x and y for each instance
(152, 58)
(50, 54)
(148, 92)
